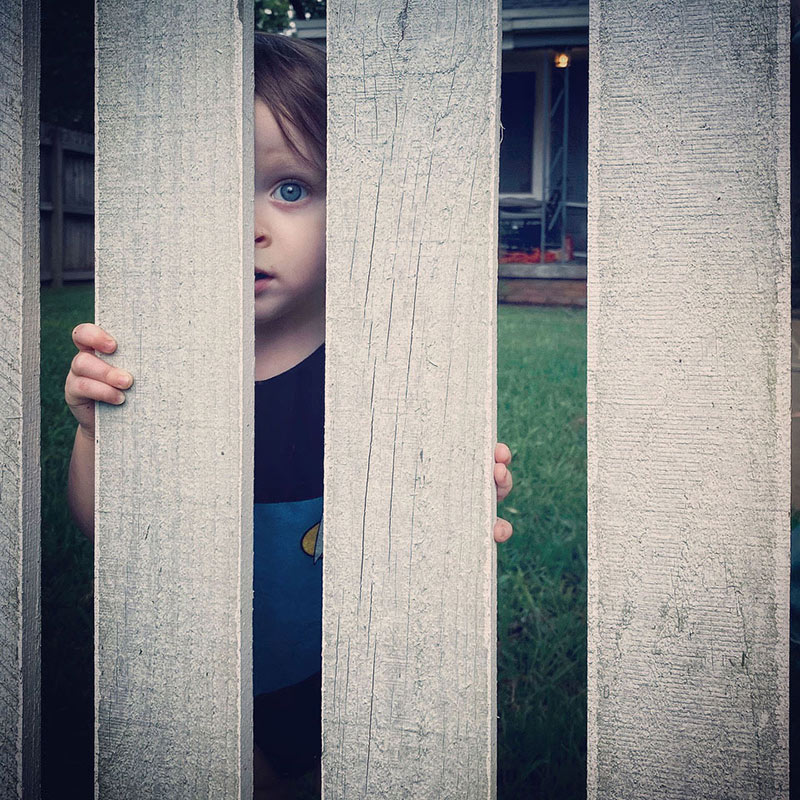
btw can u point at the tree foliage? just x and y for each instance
(309, 9)
(273, 16)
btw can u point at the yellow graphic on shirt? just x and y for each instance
(312, 542)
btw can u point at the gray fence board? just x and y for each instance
(409, 630)
(174, 465)
(688, 399)
(20, 695)
(67, 205)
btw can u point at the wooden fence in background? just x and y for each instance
(66, 202)
(688, 401)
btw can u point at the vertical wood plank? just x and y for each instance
(20, 509)
(174, 468)
(409, 630)
(688, 399)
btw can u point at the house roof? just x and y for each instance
(545, 23)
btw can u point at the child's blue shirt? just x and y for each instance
(287, 525)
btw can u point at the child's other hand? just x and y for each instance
(90, 378)
(502, 478)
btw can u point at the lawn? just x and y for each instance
(67, 606)
(541, 572)
(541, 414)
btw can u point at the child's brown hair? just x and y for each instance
(290, 76)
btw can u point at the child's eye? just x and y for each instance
(290, 191)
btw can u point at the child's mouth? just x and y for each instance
(262, 280)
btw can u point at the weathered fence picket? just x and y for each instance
(688, 399)
(174, 467)
(409, 636)
(19, 402)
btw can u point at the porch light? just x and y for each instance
(561, 60)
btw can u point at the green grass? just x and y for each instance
(67, 610)
(541, 575)
(541, 415)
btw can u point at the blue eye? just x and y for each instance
(290, 191)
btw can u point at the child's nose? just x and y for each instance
(263, 240)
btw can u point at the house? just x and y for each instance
(544, 149)
(543, 162)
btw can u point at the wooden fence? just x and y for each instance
(20, 507)
(688, 393)
(66, 202)
(688, 401)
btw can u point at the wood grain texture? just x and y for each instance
(67, 204)
(409, 630)
(688, 399)
(174, 465)
(20, 509)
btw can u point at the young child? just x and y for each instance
(290, 181)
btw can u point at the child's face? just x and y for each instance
(289, 227)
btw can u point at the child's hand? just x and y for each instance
(502, 477)
(90, 378)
